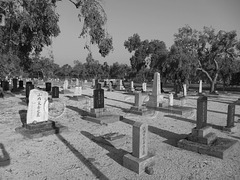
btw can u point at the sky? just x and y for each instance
(151, 19)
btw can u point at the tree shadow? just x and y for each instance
(125, 110)
(79, 111)
(120, 101)
(5, 159)
(172, 138)
(193, 121)
(114, 153)
(85, 161)
(23, 117)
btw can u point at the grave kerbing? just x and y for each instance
(203, 140)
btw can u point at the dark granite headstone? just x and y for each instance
(96, 82)
(15, 83)
(29, 86)
(5, 85)
(55, 92)
(201, 112)
(21, 84)
(1, 83)
(48, 86)
(230, 115)
(98, 96)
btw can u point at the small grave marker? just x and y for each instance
(201, 112)
(48, 86)
(230, 115)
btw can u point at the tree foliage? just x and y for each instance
(208, 48)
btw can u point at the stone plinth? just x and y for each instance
(36, 130)
(139, 159)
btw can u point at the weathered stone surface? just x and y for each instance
(37, 107)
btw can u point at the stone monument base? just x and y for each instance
(35, 130)
(220, 148)
(137, 165)
(101, 116)
(66, 91)
(140, 110)
(154, 101)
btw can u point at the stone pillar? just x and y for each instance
(140, 140)
(170, 100)
(98, 97)
(65, 85)
(132, 87)
(200, 87)
(140, 158)
(155, 98)
(230, 116)
(77, 82)
(138, 99)
(184, 90)
(55, 92)
(201, 112)
(144, 87)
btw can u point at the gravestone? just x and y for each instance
(110, 86)
(77, 82)
(132, 86)
(15, 84)
(170, 99)
(156, 97)
(37, 107)
(28, 88)
(65, 84)
(230, 118)
(200, 87)
(139, 159)
(201, 112)
(138, 107)
(120, 86)
(5, 86)
(144, 87)
(1, 83)
(21, 84)
(93, 83)
(55, 92)
(78, 91)
(98, 97)
(184, 90)
(48, 86)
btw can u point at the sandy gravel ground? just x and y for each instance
(74, 154)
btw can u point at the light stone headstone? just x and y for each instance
(184, 90)
(93, 82)
(156, 84)
(37, 107)
(200, 87)
(144, 87)
(77, 82)
(65, 85)
(170, 100)
(140, 140)
(120, 85)
(78, 91)
(132, 86)
(156, 97)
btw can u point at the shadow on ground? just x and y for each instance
(85, 161)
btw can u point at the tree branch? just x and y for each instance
(206, 73)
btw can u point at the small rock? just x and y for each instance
(149, 170)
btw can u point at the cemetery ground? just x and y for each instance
(76, 152)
